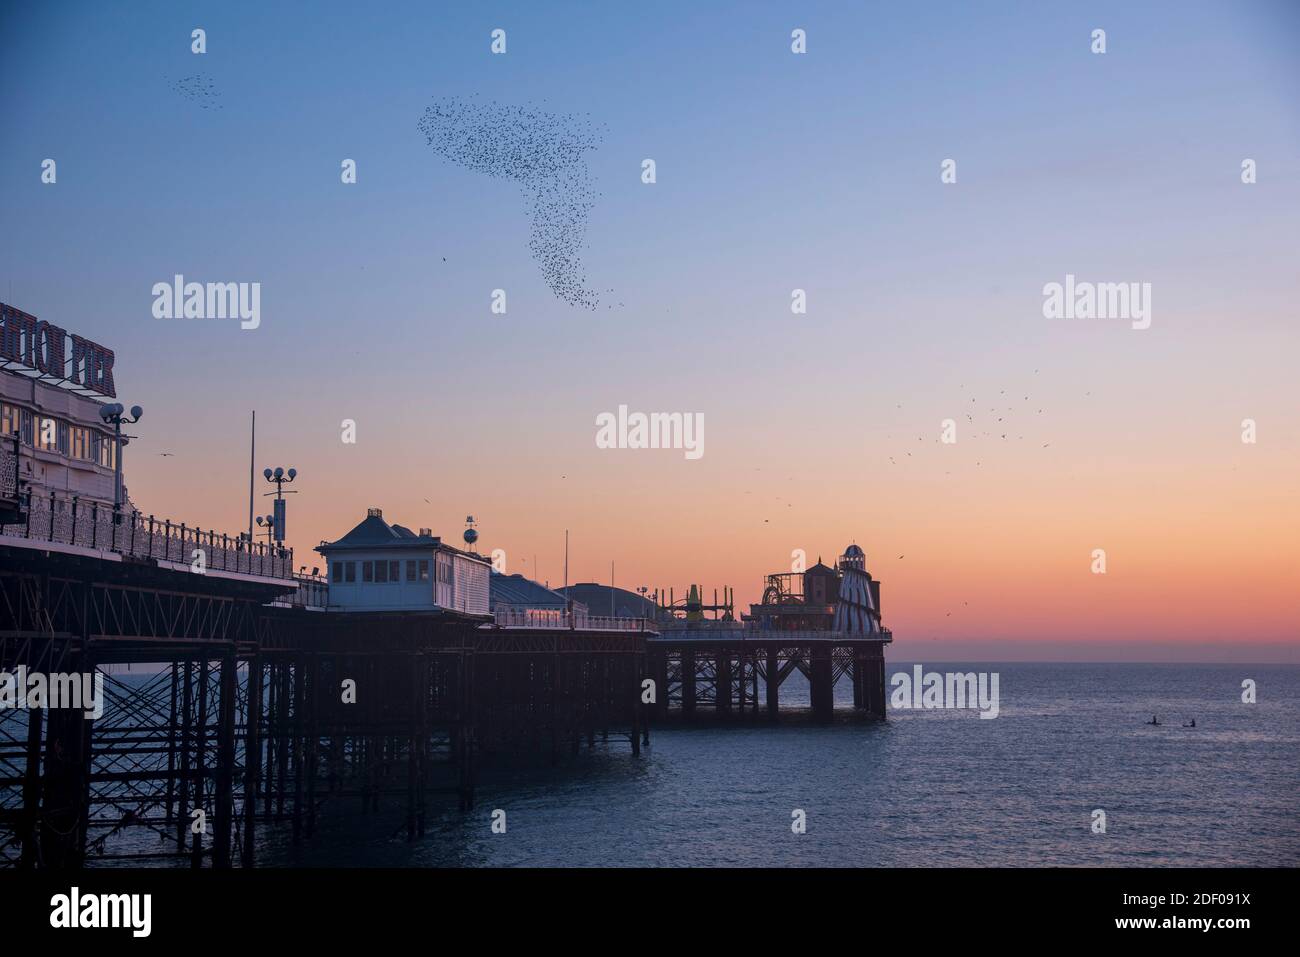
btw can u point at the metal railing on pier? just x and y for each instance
(66, 521)
(747, 631)
(561, 618)
(313, 591)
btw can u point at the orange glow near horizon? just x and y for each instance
(986, 543)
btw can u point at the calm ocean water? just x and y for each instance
(935, 788)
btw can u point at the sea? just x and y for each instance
(926, 788)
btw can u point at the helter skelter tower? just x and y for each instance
(856, 612)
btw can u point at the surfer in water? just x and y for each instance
(1154, 720)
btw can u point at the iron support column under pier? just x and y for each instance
(199, 771)
(688, 683)
(187, 705)
(31, 790)
(224, 798)
(252, 759)
(312, 751)
(823, 686)
(659, 666)
(876, 683)
(637, 718)
(773, 682)
(299, 685)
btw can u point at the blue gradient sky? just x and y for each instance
(775, 171)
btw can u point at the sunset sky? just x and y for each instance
(775, 171)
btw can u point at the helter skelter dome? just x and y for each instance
(854, 557)
(855, 612)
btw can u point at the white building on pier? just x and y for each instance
(382, 567)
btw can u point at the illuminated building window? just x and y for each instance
(80, 443)
(9, 419)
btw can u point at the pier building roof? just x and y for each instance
(374, 532)
(520, 592)
(627, 604)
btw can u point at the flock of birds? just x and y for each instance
(1001, 423)
(199, 89)
(543, 153)
(997, 425)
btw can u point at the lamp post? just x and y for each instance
(114, 414)
(279, 478)
(267, 525)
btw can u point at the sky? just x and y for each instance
(775, 171)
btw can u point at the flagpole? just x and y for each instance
(252, 454)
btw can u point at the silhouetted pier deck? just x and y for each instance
(255, 709)
(255, 706)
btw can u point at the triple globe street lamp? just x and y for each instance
(114, 414)
(279, 477)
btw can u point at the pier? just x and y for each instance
(241, 695)
(738, 673)
(259, 695)
(253, 707)
(823, 622)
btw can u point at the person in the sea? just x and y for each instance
(1154, 720)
